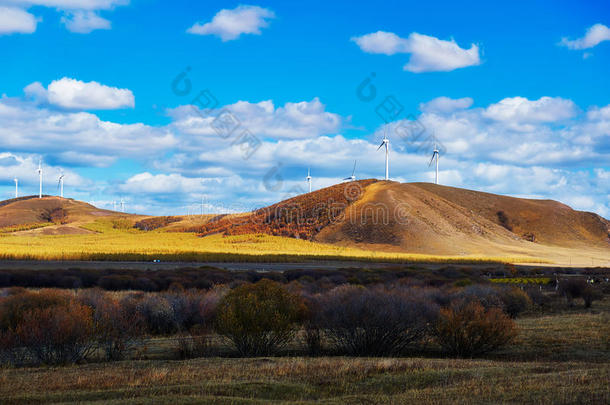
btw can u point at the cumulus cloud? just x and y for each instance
(27, 127)
(83, 22)
(522, 110)
(428, 54)
(595, 35)
(446, 105)
(16, 20)
(78, 95)
(231, 24)
(305, 119)
(80, 16)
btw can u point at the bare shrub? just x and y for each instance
(118, 329)
(361, 321)
(194, 344)
(58, 335)
(468, 329)
(579, 288)
(259, 318)
(515, 301)
(158, 314)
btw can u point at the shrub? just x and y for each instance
(118, 329)
(373, 322)
(259, 318)
(468, 329)
(515, 301)
(579, 288)
(193, 345)
(14, 306)
(58, 335)
(158, 314)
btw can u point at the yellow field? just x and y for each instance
(113, 241)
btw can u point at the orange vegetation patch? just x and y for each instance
(300, 217)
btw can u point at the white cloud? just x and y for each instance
(386, 43)
(78, 95)
(428, 54)
(305, 119)
(72, 4)
(230, 24)
(76, 138)
(522, 110)
(16, 20)
(80, 16)
(594, 36)
(445, 105)
(83, 22)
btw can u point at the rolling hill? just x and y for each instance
(372, 215)
(429, 219)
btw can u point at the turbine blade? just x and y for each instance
(431, 160)
(354, 170)
(380, 145)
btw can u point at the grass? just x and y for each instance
(24, 227)
(112, 241)
(562, 358)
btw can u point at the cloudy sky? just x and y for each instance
(165, 103)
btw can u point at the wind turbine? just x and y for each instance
(435, 155)
(16, 187)
(114, 205)
(352, 177)
(308, 178)
(386, 142)
(122, 205)
(40, 177)
(60, 184)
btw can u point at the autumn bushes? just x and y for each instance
(59, 327)
(255, 319)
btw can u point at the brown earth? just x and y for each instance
(378, 215)
(63, 216)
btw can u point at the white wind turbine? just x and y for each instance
(60, 184)
(352, 177)
(308, 178)
(114, 205)
(122, 205)
(16, 187)
(435, 155)
(40, 177)
(386, 142)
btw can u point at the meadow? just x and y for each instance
(561, 358)
(117, 240)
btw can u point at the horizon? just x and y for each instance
(163, 106)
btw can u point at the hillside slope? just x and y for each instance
(433, 219)
(60, 215)
(429, 219)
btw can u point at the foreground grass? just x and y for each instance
(561, 358)
(131, 245)
(309, 380)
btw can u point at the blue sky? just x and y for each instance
(517, 94)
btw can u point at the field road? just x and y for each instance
(241, 266)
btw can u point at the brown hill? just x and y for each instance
(61, 215)
(429, 219)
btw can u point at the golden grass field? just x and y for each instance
(561, 358)
(117, 241)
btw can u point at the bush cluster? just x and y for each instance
(258, 319)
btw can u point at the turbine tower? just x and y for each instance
(386, 142)
(40, 178)
(308, 178)
(16, 187)
(122, 205)
(435, 155)
(60, 184)
(352, 177)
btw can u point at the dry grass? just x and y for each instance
(562, 359)
(110, 242)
